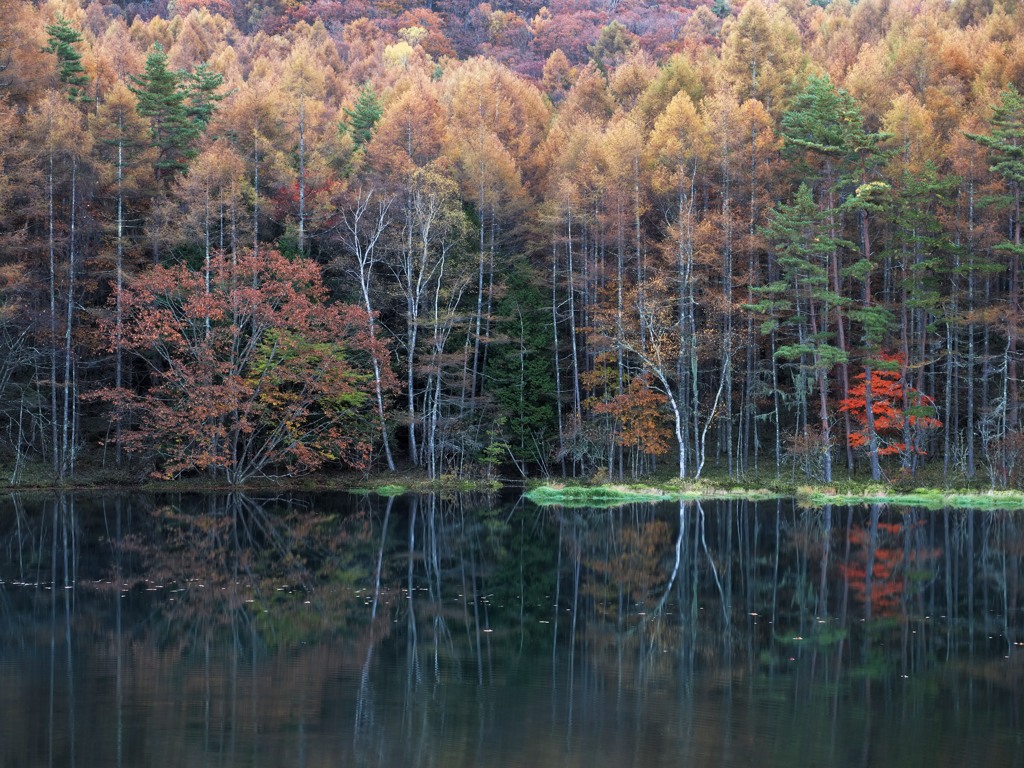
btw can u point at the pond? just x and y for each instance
(336, 629)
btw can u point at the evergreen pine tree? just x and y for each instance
(163, 100)
(824, 133)
(1007, 138)
(201, 95)
(799, 234)
(62, 38)
(520, 378)
(803, 302)
(825, 121)
(1006, 144)
(360, 121)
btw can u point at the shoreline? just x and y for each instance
(553, 492)
(102, 480)
(605, 495)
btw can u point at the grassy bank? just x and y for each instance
(608, 495)
(924, 497)
(557, 494)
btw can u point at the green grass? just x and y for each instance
(932, 498)
(597, 496)
(607, 495)
(592, 496)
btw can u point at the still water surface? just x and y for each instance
(339, 630)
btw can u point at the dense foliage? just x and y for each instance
(580, 238)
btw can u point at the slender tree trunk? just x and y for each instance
(876, 471)
(481, 212)
(972, 365)
(826, 430)
(255, 194)
(869, 403)
(620, 258)
(411, 324)
(119, 287)
(302, 175)
(1014, 388)
(557, 354)
(837, 287)
(685, 298)
(67, 449)
(365, 254)
(52, 250)
(576, 399)
(776, 401)
(727, 289)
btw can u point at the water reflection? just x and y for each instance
(427, 630)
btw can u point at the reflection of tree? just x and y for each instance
(364, 703)
(625, 561)
(888, 566)
(226, 567)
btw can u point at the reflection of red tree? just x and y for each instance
(892, 566)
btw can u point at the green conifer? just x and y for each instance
(201, 95)
(162, 98)
(62, 38)
(360, 121)
(1006, 144)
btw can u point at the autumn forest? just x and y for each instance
(245, 239)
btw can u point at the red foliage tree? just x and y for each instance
(902, 414)
(251, 372)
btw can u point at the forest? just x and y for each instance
(588, 238)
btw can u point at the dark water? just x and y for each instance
(339, 630)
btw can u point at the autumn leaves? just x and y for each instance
(685, 252)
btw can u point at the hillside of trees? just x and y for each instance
(587, 238)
